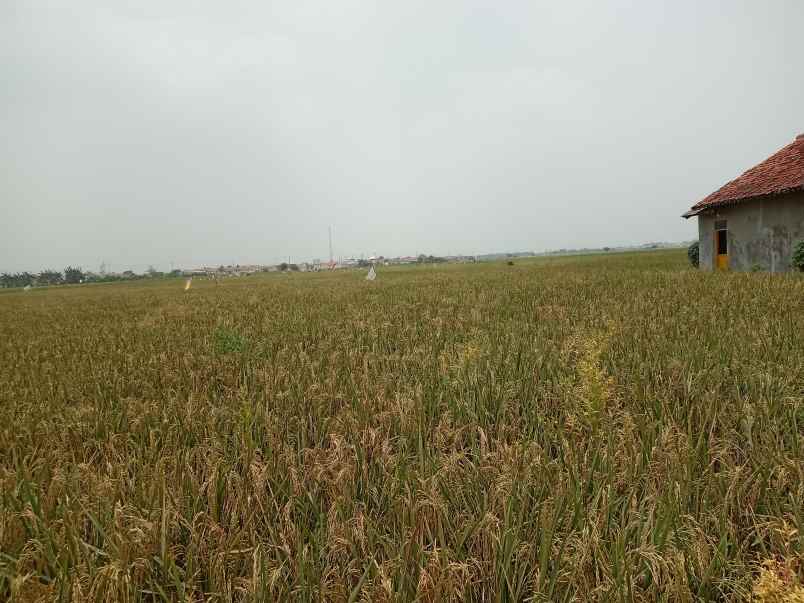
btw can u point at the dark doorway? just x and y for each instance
(722, 242)
(721, 246)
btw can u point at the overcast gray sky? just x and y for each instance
(153, 131)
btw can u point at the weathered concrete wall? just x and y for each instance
(761, 233)
(706, 242)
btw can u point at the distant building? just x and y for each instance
(756, 220)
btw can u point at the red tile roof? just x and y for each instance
(782, 172)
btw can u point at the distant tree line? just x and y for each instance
(72, 276)
(18, 279)
(430, 259)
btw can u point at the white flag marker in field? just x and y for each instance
(371, 274)
(188, 283)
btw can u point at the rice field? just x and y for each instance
(596, 428)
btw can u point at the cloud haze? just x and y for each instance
(213, 132)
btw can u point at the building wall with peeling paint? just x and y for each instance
(761, 233)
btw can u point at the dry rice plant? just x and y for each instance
(600, 428)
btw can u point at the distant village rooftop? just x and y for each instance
(781, 173)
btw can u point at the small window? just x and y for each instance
(720, 224)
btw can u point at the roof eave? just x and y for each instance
(695, 210)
